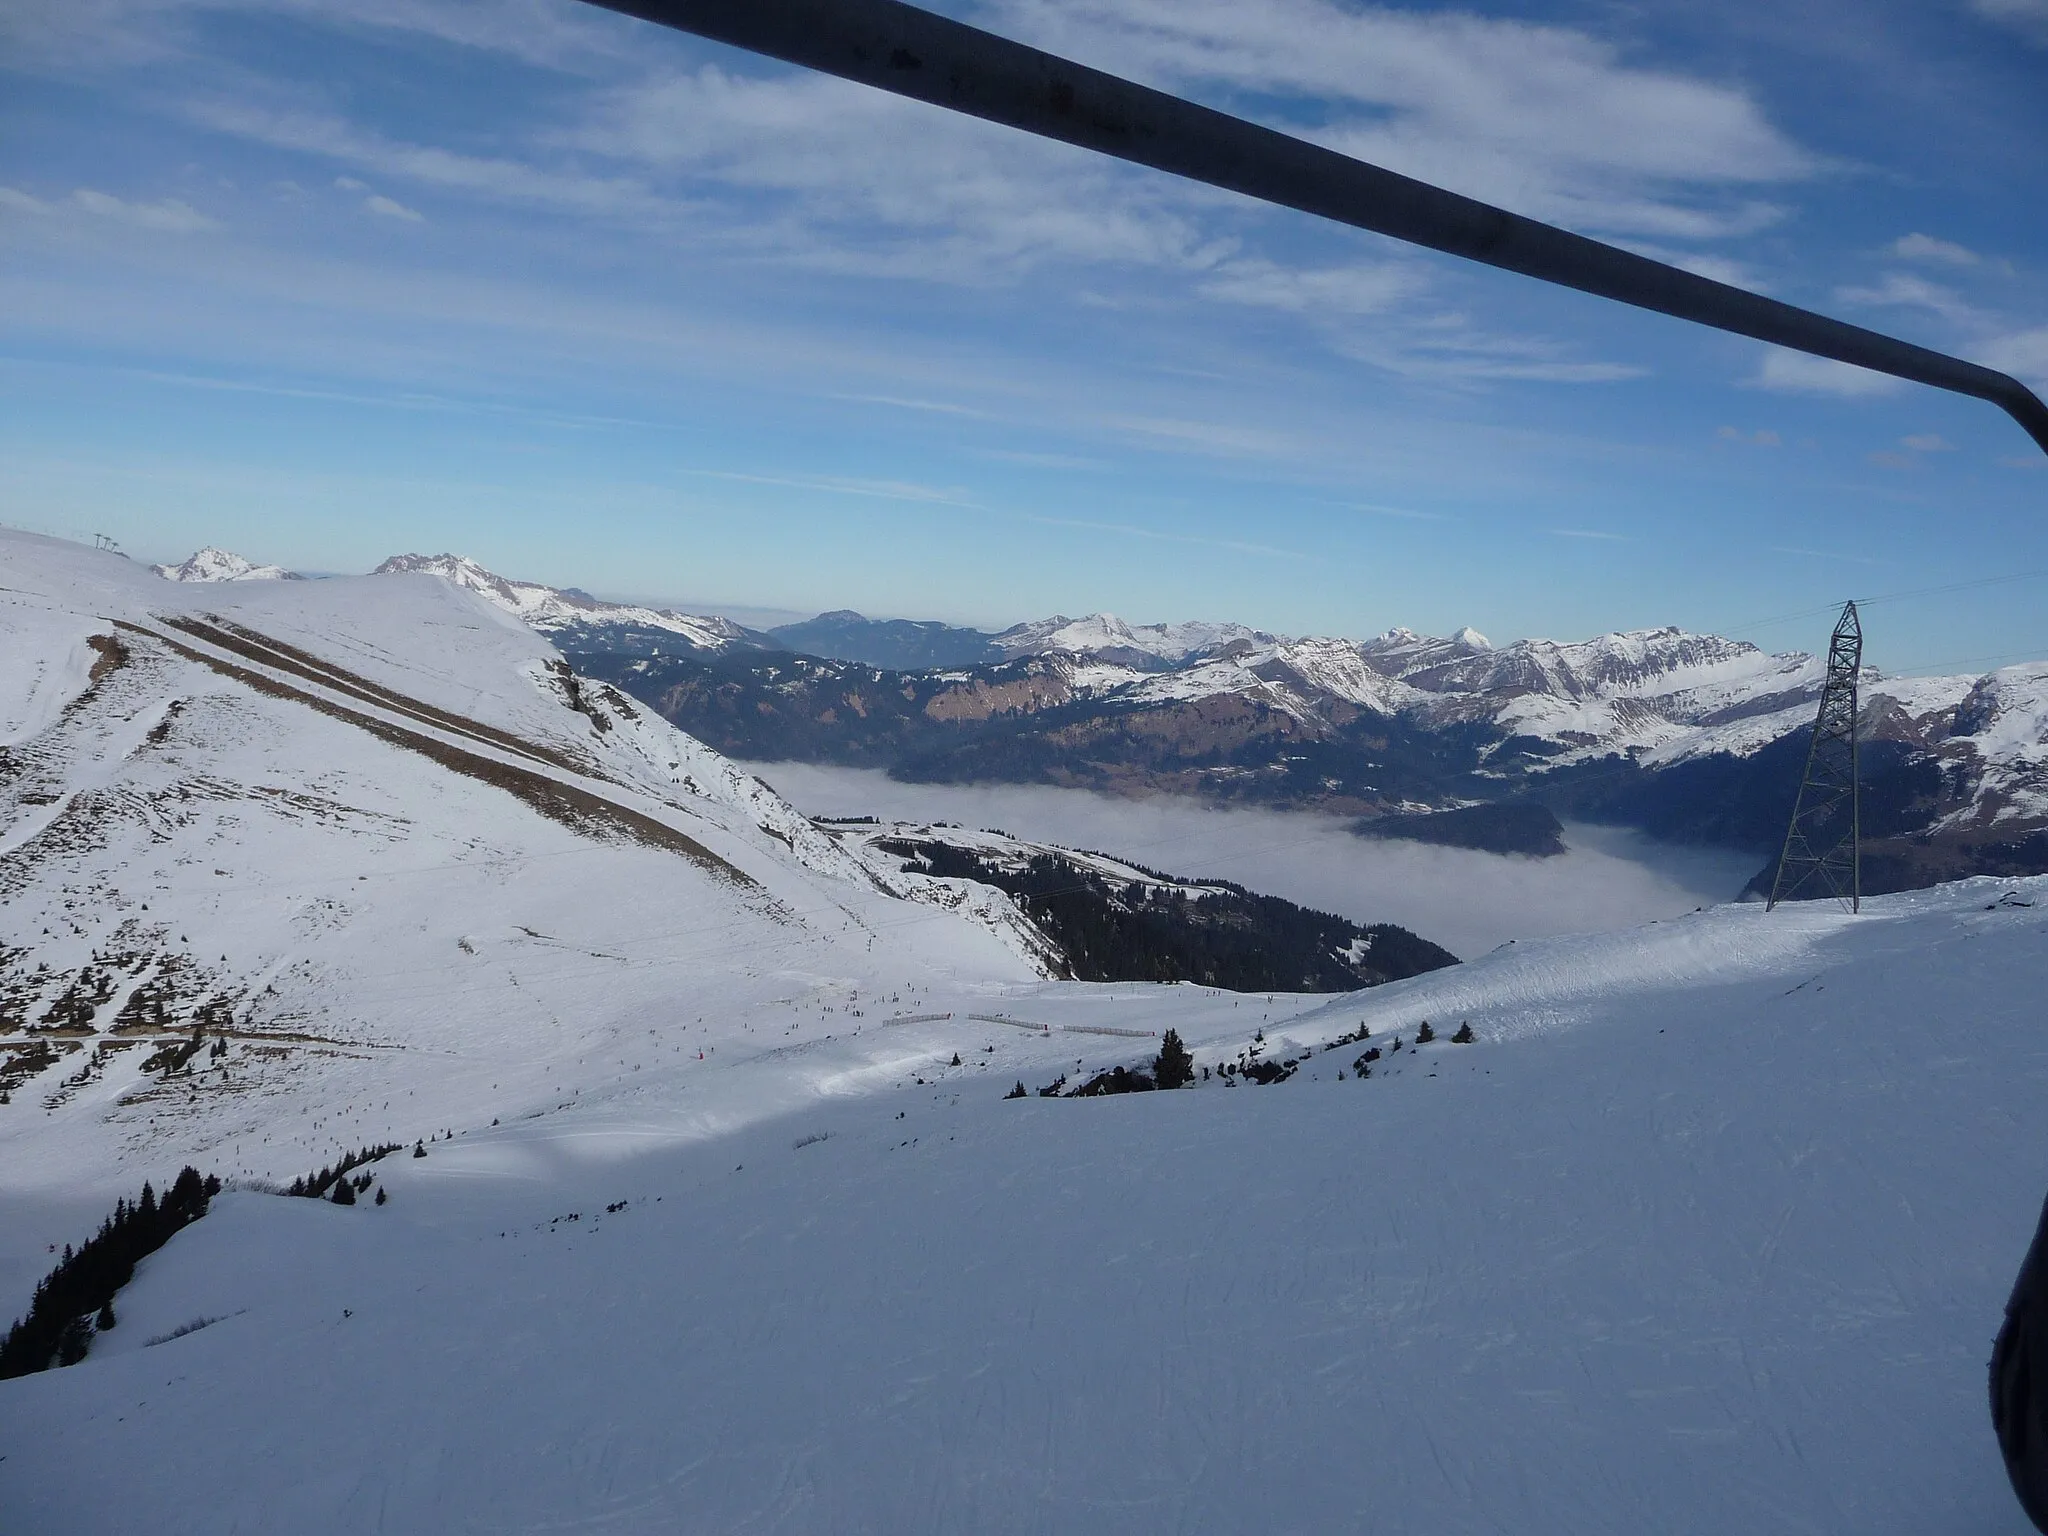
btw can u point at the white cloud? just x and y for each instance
(21, 202)
(1543, 119)
(857, 179)
(1366, 289)
(1407, 513)
(838, 485)
(506, 180)
(1917, 247)
(1905, 290)
(1797, 373)
(91, 35)
(2027, 17)
(378, 203)
(2021, 352)
(1449, 348)
(170, 214)
(1763, 437)
(1031, 460)
(1927, 442)
(1588, 533)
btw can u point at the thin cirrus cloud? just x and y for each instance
(1919, 247)
(1449, 348)
(2029, 18)
(806, 171)
(1797, 373)
(494, 178)
(840, 171)
(2022, 352)
(390, 208)
(836, 485)
(1763, 437)
(1905, 290)
(1541, 118)
(1436, 345)
(1544, 119)
(169, 215)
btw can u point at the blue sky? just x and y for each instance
(605, 306)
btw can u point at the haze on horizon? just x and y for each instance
(610, 308)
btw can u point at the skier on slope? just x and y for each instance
(2019, 1381)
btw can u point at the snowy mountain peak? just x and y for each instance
(553, 610)
(211, 564)
(1106, 637)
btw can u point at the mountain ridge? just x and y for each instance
(1689, 736)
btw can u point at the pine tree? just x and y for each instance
(106, 1319)
(1018, 1091)
(1424, 1035)
(1173, 1067)
(344, 1192)
(1464, 1035)
(380, 1194)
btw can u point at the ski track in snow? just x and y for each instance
(1708, 1232)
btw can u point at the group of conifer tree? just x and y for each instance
(76, 1299)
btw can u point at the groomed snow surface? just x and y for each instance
(1709, 1232)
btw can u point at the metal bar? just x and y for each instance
(899, 48)
(1855, 623)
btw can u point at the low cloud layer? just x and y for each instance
(1468, 902)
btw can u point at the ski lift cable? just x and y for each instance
(911, 52)
(1943, 589)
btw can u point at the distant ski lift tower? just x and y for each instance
(1823, 853)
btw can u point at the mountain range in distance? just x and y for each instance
(1690, 738)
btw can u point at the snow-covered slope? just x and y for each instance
(376, 842)
(211, 564)
(1708, 1232)
(552, 610)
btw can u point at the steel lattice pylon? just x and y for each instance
(1823, 853)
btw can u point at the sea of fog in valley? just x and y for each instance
(1467, 901)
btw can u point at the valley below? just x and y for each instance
(1467, 900)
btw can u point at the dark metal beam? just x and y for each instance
(899, 48)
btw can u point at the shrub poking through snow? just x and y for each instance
(1173, 1067)
(1018, 1091)
(1116, 1080)
(1266, 1073)
(180, 1331)
(60, 1323)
